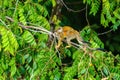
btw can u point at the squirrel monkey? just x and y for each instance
(67, 33)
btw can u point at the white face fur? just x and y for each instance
(60, 29)
(57, 33)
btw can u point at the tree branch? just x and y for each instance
(86, 15)
(105, 32)
(69, 9)
(31, 27)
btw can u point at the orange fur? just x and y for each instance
(69, 33)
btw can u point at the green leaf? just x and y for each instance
(9, 42)
(0, 47)
(13, 70)
(117, 13)
(42, 10)
(21, 15)
(29, 38)
(105, 71)
(4, 66)
(54, 3)
(83, 71)
(116, 25)
(95, 7)
(13, 66)
(12, 61)
(67, 52)
(102, 20)
(57, 74)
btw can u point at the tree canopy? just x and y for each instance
(27, 40)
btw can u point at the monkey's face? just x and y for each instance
(58, 32)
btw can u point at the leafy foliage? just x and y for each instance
(24, 53)
(110, 11)
(109, 14)
(91, 36)
(28, 38)
(9, 42)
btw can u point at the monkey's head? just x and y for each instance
(58, 32)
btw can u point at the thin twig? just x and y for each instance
(105, 32)
(38, 28)
(31, 27)
(53, 42)
(15, 7)
(3, 23)
(74, 3)
(86, 16)
(69, 9)
(36, 31)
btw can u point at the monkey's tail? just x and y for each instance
(86, 42)
(101, 49)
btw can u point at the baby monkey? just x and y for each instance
(69, 34)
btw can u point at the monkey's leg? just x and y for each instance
(79, 39)
(59, 43)
(69, 44)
